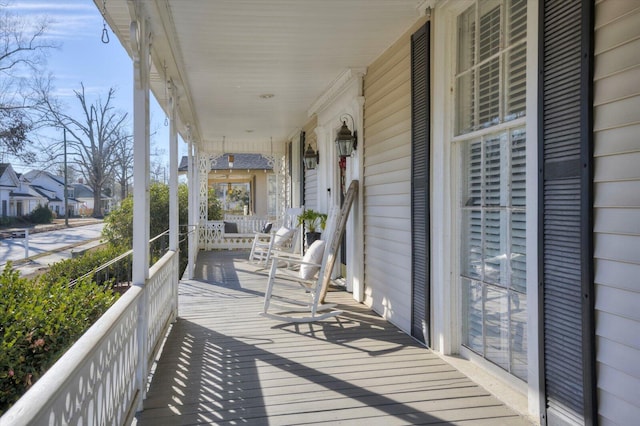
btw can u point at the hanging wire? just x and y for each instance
(105, 33)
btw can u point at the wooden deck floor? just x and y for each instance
(223, 364)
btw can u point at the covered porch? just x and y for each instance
(223, 364)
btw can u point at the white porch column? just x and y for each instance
(193, 225)
(141, 151)
(196, 200)
(141, 44)
(173, 171)
(174, 219)
(355, 224)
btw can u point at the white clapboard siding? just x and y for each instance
(617, 209)
(387, 182)
(311, 176)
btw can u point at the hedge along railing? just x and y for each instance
(120, 267)
(97, 380)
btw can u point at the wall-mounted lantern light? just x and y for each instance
(231, 158)
(346, 142)
(311, 158)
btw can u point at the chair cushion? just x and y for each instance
(313, 255)
(267, 228)
(283, 235)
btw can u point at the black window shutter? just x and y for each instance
(565, 214)
(420, 160)
(302, 168)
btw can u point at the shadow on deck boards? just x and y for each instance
(223, 364)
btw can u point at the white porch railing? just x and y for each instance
(95, 380)
(247, 224)
(213, 235)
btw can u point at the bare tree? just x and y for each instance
(92, 139)
(158, 170)
(23, 51)
(123, 162)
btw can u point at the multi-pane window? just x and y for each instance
(491, 64)
(490, 93)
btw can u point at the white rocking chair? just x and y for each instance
(315, 289)
(285, 239)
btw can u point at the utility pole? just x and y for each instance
(66, 192)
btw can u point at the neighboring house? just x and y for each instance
(53, 187)
(27, 198)
(8, 182)
(83, 194)
(19, 196)
(51, 199)
(498, 215)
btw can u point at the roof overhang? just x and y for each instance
(226, 57)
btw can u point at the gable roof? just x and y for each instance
(6, 168)
(50, 195)
(80, 190)
(32, 174)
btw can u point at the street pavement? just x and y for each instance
(46, 248)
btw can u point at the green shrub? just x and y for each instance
(118, 228)
(70, 269)
(41, 214)
(214, 209)
(39, 321)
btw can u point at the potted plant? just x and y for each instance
(323, 220)
(311, 219)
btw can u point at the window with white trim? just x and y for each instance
(490, 132)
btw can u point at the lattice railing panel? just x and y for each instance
(160, 299)
(95, 381)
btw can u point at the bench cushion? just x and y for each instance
(230, 228)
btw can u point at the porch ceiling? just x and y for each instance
(224, 54)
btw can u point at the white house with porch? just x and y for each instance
(82, 195)
(8, 182)
(495, 142)
(54, 187)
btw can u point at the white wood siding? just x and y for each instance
(617, 209)
(387, 183)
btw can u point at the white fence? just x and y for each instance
(101, 379)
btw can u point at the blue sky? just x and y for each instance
(76, 26)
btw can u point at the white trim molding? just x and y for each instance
(337, 88)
